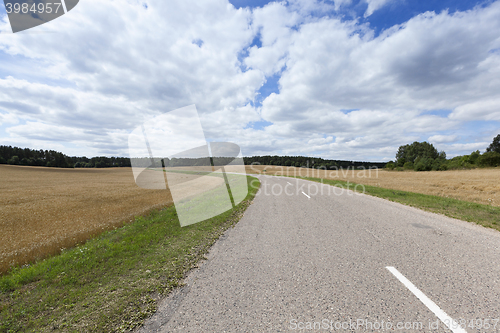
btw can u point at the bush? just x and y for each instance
(474, 157)
(459, 162)
(14, 160)
(2, 160)
(408, 166)
(489, 159)
(436, 164)
(390, 165)
(423, 164)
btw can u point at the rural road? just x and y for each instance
(312, 260)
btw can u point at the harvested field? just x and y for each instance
(477, 185)
(45, 209)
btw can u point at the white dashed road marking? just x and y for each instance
(447, 320)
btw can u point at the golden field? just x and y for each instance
(45, 209)
(477, 185)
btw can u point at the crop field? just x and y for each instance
(44, 210)
(476, 185)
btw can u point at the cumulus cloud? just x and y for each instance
(457, 149)
(373, 5)
(442, 138)
(343, 93)
(112, 64)
(432, 62)
(488, 109)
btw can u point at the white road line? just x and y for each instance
(447, 320)
(289, 183)
(306, 195)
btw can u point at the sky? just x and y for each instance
(342, 79)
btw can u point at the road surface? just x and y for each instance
(305, 258)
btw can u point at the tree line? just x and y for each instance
(418, 156)
(423, 156)
(51, 158)
(311, 162)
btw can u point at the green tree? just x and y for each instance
(495, 145)
(420, 156)
(489, 159)
(473, 157)
(423, 164)
(417, 149)
(408, 165)
(14, 160)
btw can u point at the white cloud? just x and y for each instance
(443, 138)
(458, 149)
(374, 5)
(274, 24)
(8, 118)
(433, 62)
(488, 109)
(111, 64)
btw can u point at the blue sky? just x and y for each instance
(392, 13)
(344, 79)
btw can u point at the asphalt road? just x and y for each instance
(314, 260)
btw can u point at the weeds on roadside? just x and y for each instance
(111, 283)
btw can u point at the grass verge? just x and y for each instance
(111, 283)
(485, 215)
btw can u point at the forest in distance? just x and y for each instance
(418, 156)
(50, 158)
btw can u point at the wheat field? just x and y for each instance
(46, 209)
(476, 185)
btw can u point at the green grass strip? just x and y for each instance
(485, 215)
(111, 283)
